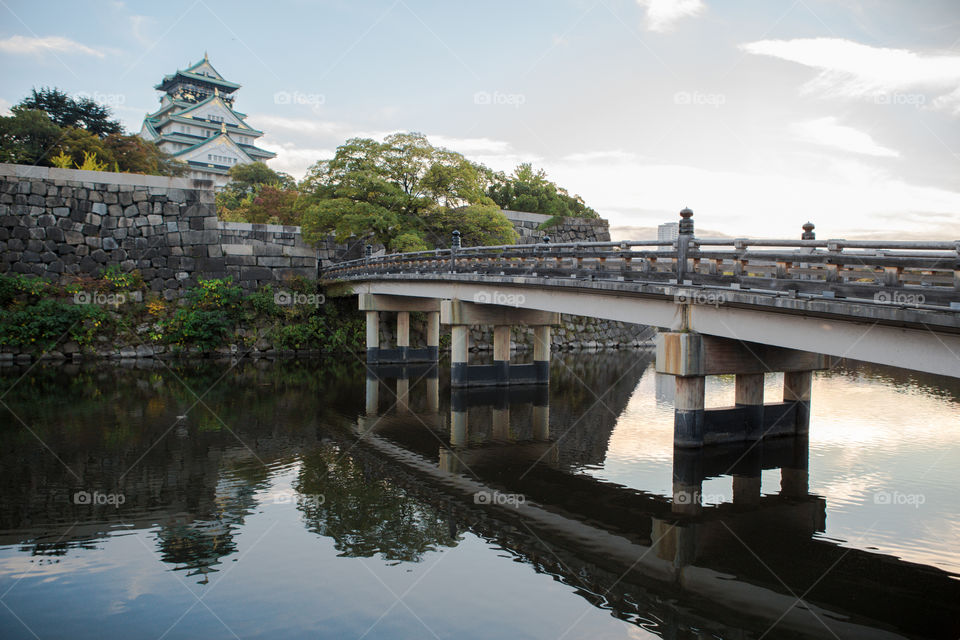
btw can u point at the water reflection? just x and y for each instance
(388, 464)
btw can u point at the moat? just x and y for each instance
(284, 499)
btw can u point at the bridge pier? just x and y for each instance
(690, 357)
(375, 304)
(460, 315)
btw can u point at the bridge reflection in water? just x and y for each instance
(506, 465)
(409, 466)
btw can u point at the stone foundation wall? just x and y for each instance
(527, 225)
(64, 223)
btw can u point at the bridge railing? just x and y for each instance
(911, 274)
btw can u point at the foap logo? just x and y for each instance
(98, 298)
(289, 496)
(114, 100)
(499, 297)
(896, 498)
(899, 298)
(312, 100)
(499, 98)
(499, 499)
(291, 298)
(98, 499)
(699, 296)
(909, 99)
(686, 497)
(696, 98)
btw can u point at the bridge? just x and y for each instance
(736, 306)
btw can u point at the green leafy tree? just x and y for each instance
(28, 137)
(531, 191)
(402, 192)
(257, 193)
(65, 111)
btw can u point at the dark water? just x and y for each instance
(289, 500)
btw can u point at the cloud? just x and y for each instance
(615, 155)
(827, 132)
(48, 44)
(851, 69)
(662, 14)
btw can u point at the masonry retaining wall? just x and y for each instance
(527, 225)
(64, 223)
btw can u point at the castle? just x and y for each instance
(197, 124)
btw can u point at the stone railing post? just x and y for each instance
(454, 247)
(367, 254)
(684, 236)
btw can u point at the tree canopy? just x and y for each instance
(33, 135)
(405, 192)
(257, 193)
(64, 111)
(529, 190)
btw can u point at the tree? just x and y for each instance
(28, 137)
(402, 192)
(257, 193)
(529, 190)
(65, 111)
(31, 136)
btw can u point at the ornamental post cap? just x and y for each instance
(686, 212)
(809, 226)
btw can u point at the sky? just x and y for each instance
(758, 115)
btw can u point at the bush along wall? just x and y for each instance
(116, 316)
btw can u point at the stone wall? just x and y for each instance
(64, 223)
(527, 225)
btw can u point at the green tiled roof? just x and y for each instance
(232, 86)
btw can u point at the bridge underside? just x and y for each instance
(911, 339)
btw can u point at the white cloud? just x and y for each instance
(663, 14)
(851, 69)
(48, 44)
(5, 107)
(615, 155)
(293, 160)
(843, 198)
(827, 132)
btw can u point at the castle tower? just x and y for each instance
(196, 123)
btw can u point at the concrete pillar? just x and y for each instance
(449, 461)
(403, 395)
(458, 428)
(797, 388)
(459, 348)
(501, 353)
(749, 395)
(746, 489)
(433, 394)
(373, 336)
(795, 477)
(687, 481)
(501, 424)
(541, 422)
(403, 334)
(433, 334)
(688, 414)
(541, 352)
(373, 395)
